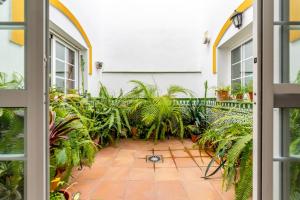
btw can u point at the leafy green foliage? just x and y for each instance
(11, 180)
(231, 137)
(160, 113)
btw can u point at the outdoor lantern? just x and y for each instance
(237, 19)
(2, 1)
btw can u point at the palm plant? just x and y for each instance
(231, 136)
(161, 114)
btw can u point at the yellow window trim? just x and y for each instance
(17, 15)
(63, 9)
(244, 6)
(294, 16)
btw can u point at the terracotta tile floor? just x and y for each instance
(122, 173)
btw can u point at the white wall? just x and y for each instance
(151, 35)
(113, 81)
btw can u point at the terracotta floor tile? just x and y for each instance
(142, 153)
(121, 173)
(137, 174)
(107, 152)
(123, 162)
(180, 153)
(165, 154)
(138, 163)
(217, 185)
(190, 173)
(92, 174)
(200, 190)
(140, 190)
(166, 174)
(84, 187)
(109, 190)
(166, 163)
(185, 162)
(170, 190)
(117, 173)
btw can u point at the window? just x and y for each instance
(242, 64)
(64, 71)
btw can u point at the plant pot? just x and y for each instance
(222, 95)
(66, 194)
(134, 131)
(250, 95)
(239, 97)
(194, 138)
(54, 184)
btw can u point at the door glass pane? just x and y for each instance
(60, 51)
(12, 10)
(236, 55)
(248, 67)
(60, 84)
(70, 85)
(60, 69)
(11, 131)
(71, 72)
(287, 149)
(11, 59)
(12, 180)
(248, 52)
(236, 71)
(71, 57)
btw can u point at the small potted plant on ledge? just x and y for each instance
(223, 93)
(238, 91)
(249, 90)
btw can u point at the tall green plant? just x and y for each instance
(160, 113)
(112, 112)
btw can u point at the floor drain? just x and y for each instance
(155, 158)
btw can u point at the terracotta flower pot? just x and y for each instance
(250, 94)
(222, 95)
(239, 97)
(134, 131)
(194, 138)
(66, 194)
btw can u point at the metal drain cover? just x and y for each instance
(155, 158)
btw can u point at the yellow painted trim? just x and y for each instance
(244, 6)
(62, 8)
(17, 15)
(294, 16)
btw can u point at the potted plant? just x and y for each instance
(238, 91)
(249, 90)
(223, 93)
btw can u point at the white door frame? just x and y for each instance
(269, 95)
(33, 98)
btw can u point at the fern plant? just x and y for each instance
(160, 113)
(231, 137)
(112, 113)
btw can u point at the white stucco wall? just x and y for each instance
(151, 35)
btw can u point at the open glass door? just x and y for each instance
(22, 100)
(277, 126)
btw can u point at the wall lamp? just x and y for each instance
(237, 19)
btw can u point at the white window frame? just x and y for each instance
(242, 61)
(67, 45)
